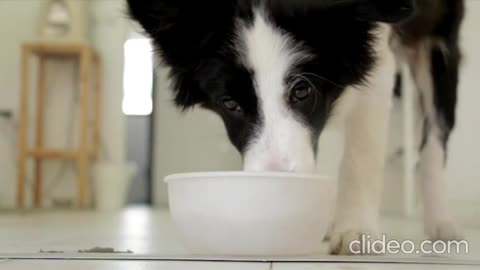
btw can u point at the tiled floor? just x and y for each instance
(140, 230)
(150, 233)
(369, 266)
(128, 265)
(132, 265)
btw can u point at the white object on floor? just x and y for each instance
(242, 213)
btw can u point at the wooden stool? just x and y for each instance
(86, 150)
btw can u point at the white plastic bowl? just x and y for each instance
(251, 214)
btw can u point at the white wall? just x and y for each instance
(109, 33)
(18, 23)
(464, 161)
(11, 14)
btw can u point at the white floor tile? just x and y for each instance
(127, 265)
(142, 231)
(361, 266)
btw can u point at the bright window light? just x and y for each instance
(138, 77)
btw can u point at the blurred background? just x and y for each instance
(142, 137)
(138, 123)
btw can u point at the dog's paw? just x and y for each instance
(352, 242)
(445, 230)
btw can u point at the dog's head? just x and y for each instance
(272, 69)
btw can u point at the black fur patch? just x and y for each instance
(196, 39)
(445, 69)
(343, 56)
(438, 21)
(398, 87)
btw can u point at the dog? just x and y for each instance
(279, 72)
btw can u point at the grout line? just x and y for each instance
(329, 260)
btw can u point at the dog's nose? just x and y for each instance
(278, 166)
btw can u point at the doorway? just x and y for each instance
(138, 109)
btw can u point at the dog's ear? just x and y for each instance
(185, 33)
(389, 11)
(172, 23)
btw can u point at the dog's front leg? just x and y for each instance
(361, 175)
(361, 172)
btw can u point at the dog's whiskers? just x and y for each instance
(323, 78)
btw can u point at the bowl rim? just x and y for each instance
(221, 174)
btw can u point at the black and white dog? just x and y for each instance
(279, 72)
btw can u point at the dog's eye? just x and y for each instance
(300, 91)
(231, 105)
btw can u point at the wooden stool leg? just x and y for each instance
(83, 151)
(37, 198)
(98, 102)
(22, 134)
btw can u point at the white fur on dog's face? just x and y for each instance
(282, 142)
(273, 73)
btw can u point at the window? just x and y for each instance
(138, 77)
